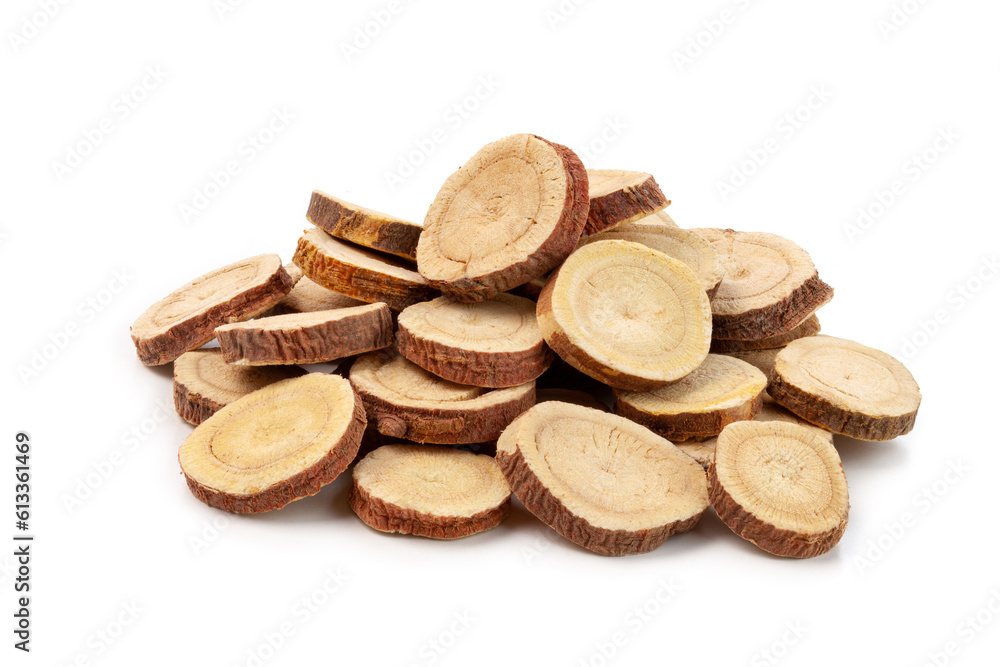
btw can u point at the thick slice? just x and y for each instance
(359, 273)
(405, 401)
(846, 388)
(436, 492)
(681, 244)
(204, 383)
(770, 287)
(276, 445)
(308, 296)
(307, 338)
(719, 392)
(621, 196)
(186, 319)
(780, 486)
(493, 343)
(600, 480)
(573, 396)
(810, 327)
(364, 226)
(626, 315)
(511, 214)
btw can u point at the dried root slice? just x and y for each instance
(621, 196)
(658, 218)
(599, 480)
(703, 452)
(509, 215)
(307, 338)
(626, 315)
(186, 319)
(763, 360)
(359, 273)
(492, 343)
(780, 486)
(846, 388)
(719, 392)
(436, 492)
(770, 287)
(573, 396)
(681, 244)
(405, 401)
(276, 445)
(308, 296)
(810, 327)
(363, 226)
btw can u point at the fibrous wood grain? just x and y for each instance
(364, 226)
(618, 196)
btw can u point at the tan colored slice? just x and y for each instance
(810, 327)
(276, 445)
(763, 360)
(846, 387)
(405, 401)
(626, 315)
(770, 285)
(618, 196)
(573, 396)
(492, 343)
(204, 383)
(364, 226)
(658, 218)
(307, 338)
(436, 492)
(511, 214)
(719, 392)
(600, 480)
(309, 296)
(780, 486)
(359, 273)
(681, 244)
(186, 319)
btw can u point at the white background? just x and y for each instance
(611, 69)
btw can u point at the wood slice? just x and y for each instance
(186, 319)
(493, 343)
(621, 196)
(600, 480)
(570, 396)
(204, 383)
(846, 388)
(509, 215)
(770, 286)
(763, 360)
(780, 486)
(719, 392)
(626, 315)
(437, 492)
(681, 244)
(405, 401)
(364, 226)
(810, 327)
(276, 445)
(703, 452)
(307, 338)
(309, 297)
(359, 273)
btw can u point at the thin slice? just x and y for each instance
(309, 296)
(511, 214)
(307, 338)
(719, 392)
(186, 319)
(492, 343)
(621, 196)
(600, 480)
(810, 327)
(436, 492)
(626, 315)
(276, 445)
(846, 387)
(770, 287)
(573, 396)
(780, 486)
(364, 226)
(405, 401)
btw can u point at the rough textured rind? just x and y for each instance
(624, 204)
(776, 319)
(810, 327)
(390, 518)
(691, 425)
(363, 226)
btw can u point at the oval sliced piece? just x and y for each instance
(364, 226)
(308, 296)
(810, 327)
(618, 197)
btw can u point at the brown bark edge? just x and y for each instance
(777, 318)
(396, 237)
(193, 407)
(688, 425)
(624, 205)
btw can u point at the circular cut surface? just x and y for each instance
(626, 315)
(618, 196)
